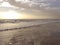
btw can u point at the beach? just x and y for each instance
(43, 34)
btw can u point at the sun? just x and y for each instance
(10, 15)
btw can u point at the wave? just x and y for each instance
(22, 25)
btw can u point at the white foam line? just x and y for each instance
(38, 23)
(31, 24)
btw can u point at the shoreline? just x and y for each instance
(26, 27)
(45, 34)
(35, 34)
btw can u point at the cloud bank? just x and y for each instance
(45, 8)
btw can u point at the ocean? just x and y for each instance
(17, 24)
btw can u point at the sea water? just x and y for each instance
(21, 24)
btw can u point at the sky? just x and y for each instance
(36, 9)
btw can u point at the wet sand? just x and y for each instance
(44, 34)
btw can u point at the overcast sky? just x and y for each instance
(39, 8)
(44, 8)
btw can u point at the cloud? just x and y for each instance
(44, 4)
(48, 8)
(35, 4)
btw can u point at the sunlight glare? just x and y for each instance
(10, 15)
(5, 4)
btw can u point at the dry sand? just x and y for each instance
(44, 34)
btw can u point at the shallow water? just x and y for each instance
(24, 24)
(6, 36)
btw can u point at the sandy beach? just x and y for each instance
(44, 34)
(29, 22)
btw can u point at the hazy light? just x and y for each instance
(23, 1)
(10, 15)
(17, 0)
(1, 0)
(5, 4)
